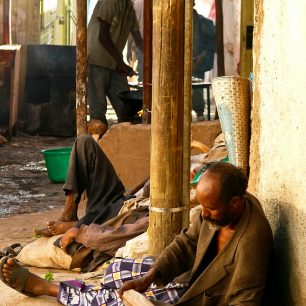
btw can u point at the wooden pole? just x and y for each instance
(147, 71)
(246, 38)
(220, 43)
(166, 194)
(81, 67)
(187, 107)
(7, 35)
(8, 71)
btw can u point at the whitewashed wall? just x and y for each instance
(278, 167)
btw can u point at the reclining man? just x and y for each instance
(224, 254)
(90, 170)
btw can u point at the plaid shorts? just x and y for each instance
(74, 293)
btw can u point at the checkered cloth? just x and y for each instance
(74, 293)
(121, 270)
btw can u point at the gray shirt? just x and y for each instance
(121, 16)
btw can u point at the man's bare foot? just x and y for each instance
(43, 232)
(12, 274)
(58, 227)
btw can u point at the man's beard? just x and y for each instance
(217, 224)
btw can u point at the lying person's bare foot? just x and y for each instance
(58, 227)
(25, 282)
(54, 228)
(43, 232)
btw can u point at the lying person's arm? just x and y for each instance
(108, 239)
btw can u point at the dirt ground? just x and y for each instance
(27, 200)
(24, 184)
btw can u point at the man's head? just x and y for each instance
(220, 192)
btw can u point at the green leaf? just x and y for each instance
(49, 277)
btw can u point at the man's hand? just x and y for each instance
(194, 171)
(198, 60)
(126, 70)
(68, 238)
(141, 284)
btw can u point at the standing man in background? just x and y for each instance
(110, 25)
(204, 47)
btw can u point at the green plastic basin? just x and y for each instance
(57, 161)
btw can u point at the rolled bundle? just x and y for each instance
(233, 101)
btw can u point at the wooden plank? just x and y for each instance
(134, 298)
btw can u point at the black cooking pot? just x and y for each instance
(132, 101)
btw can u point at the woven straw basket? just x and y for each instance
(232, 96)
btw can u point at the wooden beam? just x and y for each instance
(187, 107)
(134, 298)
(166, 167)
(147, 67)
(7, 35)
(246, 38)
(81, 67)
(220, 42)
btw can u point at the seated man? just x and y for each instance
(226, 250)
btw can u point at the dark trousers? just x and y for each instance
(197, 96)
(90, 169)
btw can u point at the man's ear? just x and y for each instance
(235, 202)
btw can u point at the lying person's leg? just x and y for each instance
(20, 279)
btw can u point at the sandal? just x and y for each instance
(11, 251)
(19, 273)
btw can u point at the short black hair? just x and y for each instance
(233, 182)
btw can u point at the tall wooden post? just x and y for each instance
(7, 36)
(147, 67)
(166, 212)
(7, 40)
(246, 37)
(187, 107)
(81, 67)
(220, 41)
